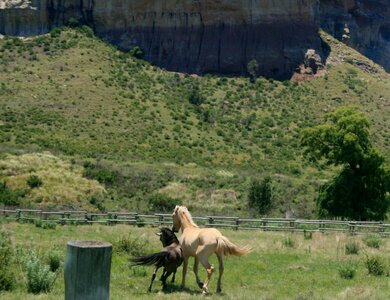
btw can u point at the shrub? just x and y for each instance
(49, 225)
(162, 203)
(376, 265)
(137, 52)
(34, 181)
(54, 260)
(347, 270)
(373, 241)
(133, 245)
(308, 235)
(6, 255)
(8, 196)
(55, 32)
(289, 242)
(73, 22)
(195, 96)
(260, 195)
(100, 173)
(39, 277)
(352, 247)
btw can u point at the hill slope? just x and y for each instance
(72, 94)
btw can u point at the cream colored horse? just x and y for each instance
(201, 243)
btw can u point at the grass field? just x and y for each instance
(281, 266)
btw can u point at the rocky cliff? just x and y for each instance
(368, 22)
(212, 36)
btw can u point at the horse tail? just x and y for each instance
(226, 247)
(147, 260)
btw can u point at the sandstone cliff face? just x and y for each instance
(369, 24)
(196, 36)
(212, 36)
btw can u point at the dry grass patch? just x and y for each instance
(63, 183)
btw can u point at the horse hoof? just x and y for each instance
(200, 285)
(219, 290)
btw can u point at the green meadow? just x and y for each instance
(281, 265)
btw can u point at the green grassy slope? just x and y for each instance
(77, 96)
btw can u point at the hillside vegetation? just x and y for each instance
(146, 134)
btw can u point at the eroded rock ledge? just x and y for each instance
(212, 36)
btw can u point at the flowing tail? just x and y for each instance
(226, 247)
(147, 260)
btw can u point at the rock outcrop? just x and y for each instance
(368, 22)
(213, 36)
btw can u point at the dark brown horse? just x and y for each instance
(170, 257)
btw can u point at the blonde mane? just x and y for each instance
(188, 216)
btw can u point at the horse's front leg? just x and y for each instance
(196, 268)
(185, 266)
(153, 277)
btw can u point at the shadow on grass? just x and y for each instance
(172, 288)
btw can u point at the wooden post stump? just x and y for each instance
(87, 270)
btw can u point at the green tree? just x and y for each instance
(252, 67)
(195, 97)
(360, 190)
(260, 195)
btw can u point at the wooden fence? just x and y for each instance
(136, 219)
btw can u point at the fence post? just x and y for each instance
(18, 215)
(87, 270)
(237, 223)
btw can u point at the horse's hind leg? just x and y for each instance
(196, 267)
(164, 278)
(210, 269)
(173, 276)
(221, 268)
(153, 277)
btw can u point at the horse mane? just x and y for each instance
(168, 237)
(188, 216)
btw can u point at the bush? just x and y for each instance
(49, 225)
(260, 195)
(347, 270)
(100, 173)
(6, 256)
(133, 245)
(34, 181)
(162, 203)
(377, 265)
(39, 277)
(308, 235)
(289, 242)
(73, 22)
(195, 96)
(9, 197)
(352, 247)
(54, 260)
(373, 241)
(137, 52)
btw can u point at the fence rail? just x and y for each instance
(136, 219)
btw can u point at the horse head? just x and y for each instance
(167, 237)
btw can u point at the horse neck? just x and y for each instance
(186, 223)
(170, 240)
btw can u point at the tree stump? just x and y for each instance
(87, 270)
